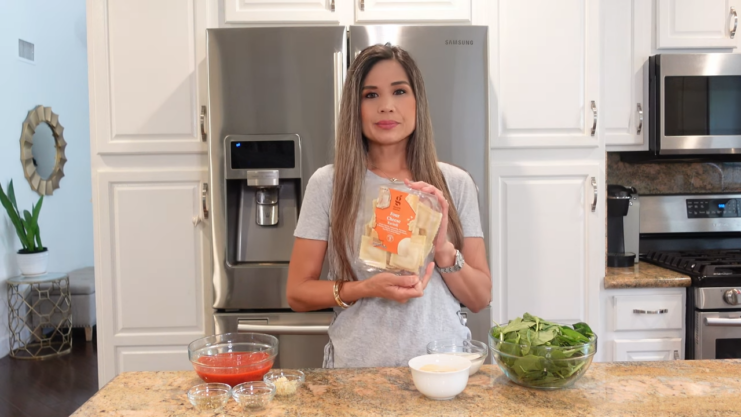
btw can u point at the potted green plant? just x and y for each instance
(33, 258)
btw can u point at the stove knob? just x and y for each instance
(732, 297)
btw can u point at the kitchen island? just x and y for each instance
(674, 388)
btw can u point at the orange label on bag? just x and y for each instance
(392, 221)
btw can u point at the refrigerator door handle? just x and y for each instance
(339, 79)
(247, 326)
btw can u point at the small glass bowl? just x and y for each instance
(286, 381)
(209, 397)
(253, 396)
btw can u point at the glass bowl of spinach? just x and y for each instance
(536, 353)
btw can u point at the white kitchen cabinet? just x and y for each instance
(545, 71)
(144, 76)
(548, 234)
(153, 273)
(642, 324)
(284, 11)
(696, 24)
(626, 45)
(648, 350)
(388, 11)
(146, 65)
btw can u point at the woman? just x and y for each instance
(385, 133)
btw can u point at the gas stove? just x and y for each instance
(707, 268)
(700, 236)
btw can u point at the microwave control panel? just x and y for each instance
(713, 208)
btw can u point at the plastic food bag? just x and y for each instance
(399, 234)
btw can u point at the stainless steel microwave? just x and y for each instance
(695, 104)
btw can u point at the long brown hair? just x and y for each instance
(352, 153)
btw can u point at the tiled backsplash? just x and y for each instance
(675, 177)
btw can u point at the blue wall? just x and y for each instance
(57, 79)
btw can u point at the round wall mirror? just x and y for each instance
(42, 150)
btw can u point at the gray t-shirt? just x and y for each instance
(376, 332)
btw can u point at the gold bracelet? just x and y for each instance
(337, 299)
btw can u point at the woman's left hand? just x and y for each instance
(444, 250)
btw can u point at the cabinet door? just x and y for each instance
(545, 70)
(649, 312)
(626, 46)
(284, 11)
(368, 11)
(696, 24)
(648, 350)
(146, 70)
(151, 261)
(548, 242)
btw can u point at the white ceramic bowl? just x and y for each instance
(440, 385)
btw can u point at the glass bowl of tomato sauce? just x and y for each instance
(233, 358)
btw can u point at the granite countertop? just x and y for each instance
(673, 388)
(644, 275)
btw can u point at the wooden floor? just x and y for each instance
(52, 387)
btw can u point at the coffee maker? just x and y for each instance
(622, 225)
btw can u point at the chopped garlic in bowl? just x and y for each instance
(286, 381)
(285, 387)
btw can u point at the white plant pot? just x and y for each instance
(32, 264)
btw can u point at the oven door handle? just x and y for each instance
(282, 330)
(718, 321)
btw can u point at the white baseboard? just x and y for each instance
(4, 346)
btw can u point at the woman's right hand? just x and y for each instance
(399, 288)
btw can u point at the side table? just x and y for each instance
(48, 305)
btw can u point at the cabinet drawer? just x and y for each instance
(648, 350)
(648, 312)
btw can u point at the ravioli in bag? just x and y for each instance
(399, 234)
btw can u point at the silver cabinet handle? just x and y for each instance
(676, 355)
(594, 123)
(204, 199)
(281, 330)
(640, 119)
(735, 22)
(594, 202)
(662, 311)
(717, 321)
(331, 6)
(362, 5)
(204, 136)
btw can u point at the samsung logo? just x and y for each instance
(458, 42)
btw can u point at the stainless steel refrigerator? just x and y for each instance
(273, 101)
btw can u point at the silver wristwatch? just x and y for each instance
(455, 267)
